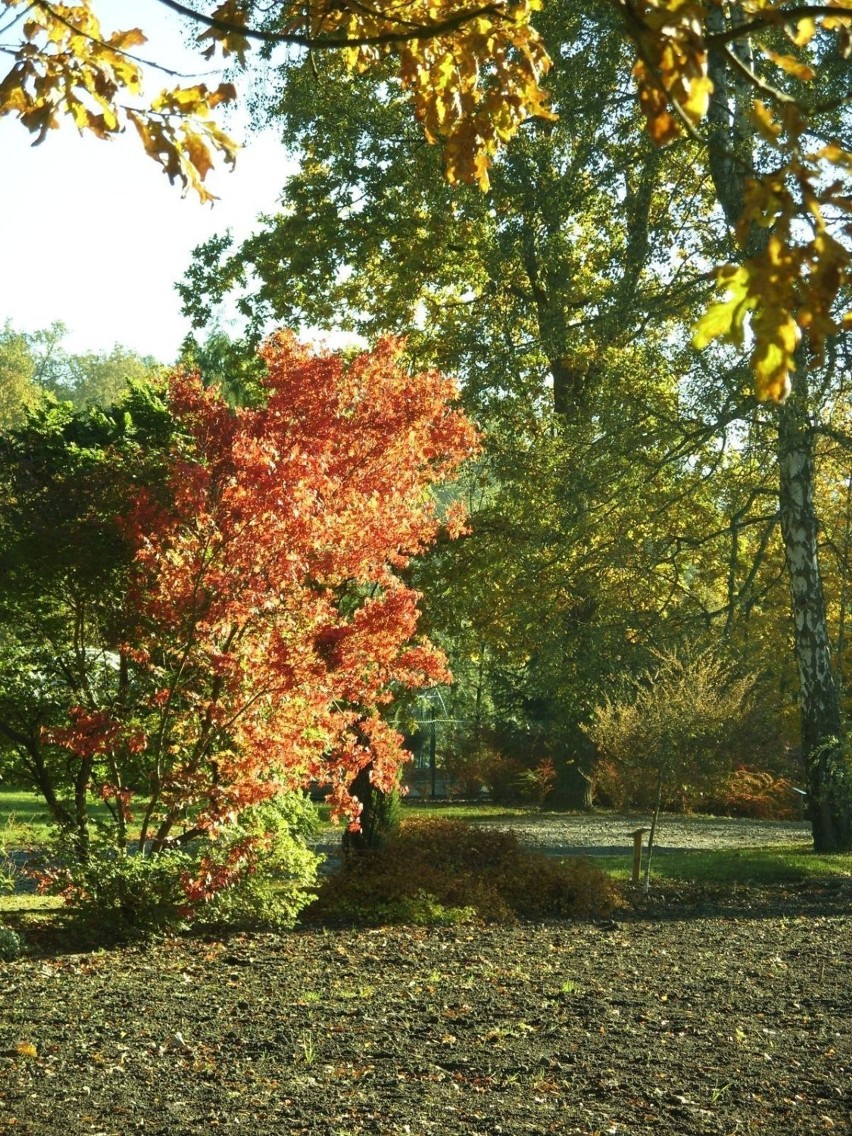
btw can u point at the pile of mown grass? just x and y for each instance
(447, 871)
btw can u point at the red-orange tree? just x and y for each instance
(269, 619)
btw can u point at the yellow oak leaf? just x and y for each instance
(791, 65)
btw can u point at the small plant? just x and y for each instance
(307, 1048)
(568, 987)
(10, 944)
(425, 910)
(718, 1092)
(537, 784)
(361, 992)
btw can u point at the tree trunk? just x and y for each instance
(730, 157)
(830, 792)
(379, 818)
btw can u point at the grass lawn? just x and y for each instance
(463, 810)
(24, 819)
(777, 863)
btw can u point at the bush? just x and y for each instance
(264, 870)
(118, 892)
(748, 793)
(449, 871)
(10, 944)
(280, 878)
(742, 793)
(675, 728)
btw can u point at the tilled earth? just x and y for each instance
(695, 1012)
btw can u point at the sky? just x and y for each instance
(92, 233)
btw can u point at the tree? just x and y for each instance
(474, 77)
(678, 724)
(32, 363)
(101, 378)
(777, 273)
(265, 620)
(520, 268)
(64, 566)
(553, 299)
(18, 391)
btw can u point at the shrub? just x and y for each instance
(262, 867)
(280, 878)
(10, 944)
(447, 871)
(469, 766)
(742, 793)
(749, 793)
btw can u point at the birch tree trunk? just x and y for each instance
(821, 726)
(730, 158)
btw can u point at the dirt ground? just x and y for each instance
(698, 1011)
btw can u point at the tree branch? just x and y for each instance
(329, 42)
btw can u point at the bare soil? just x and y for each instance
(697, 1011)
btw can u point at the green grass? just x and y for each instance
(24, 819)
(777, 863)
(468, 811)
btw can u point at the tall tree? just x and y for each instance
(37, 362)
(742, 144)
(18, 389)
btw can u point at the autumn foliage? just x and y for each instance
(269, 622)
(450, 871)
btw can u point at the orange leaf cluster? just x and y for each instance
(672, 68)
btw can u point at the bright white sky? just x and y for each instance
(93, 234)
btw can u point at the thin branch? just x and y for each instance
(328, 42)
(755, 80)
(775, 18)
(52, 12)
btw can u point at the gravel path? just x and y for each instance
(609, 834)
(594, 834)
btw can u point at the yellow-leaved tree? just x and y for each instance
(474, 71)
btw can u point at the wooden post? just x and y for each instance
(637, 852)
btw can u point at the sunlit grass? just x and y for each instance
(776, 863)
(30, 907)
(24, 819)
(468, 810)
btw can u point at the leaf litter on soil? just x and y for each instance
(699, 1011)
